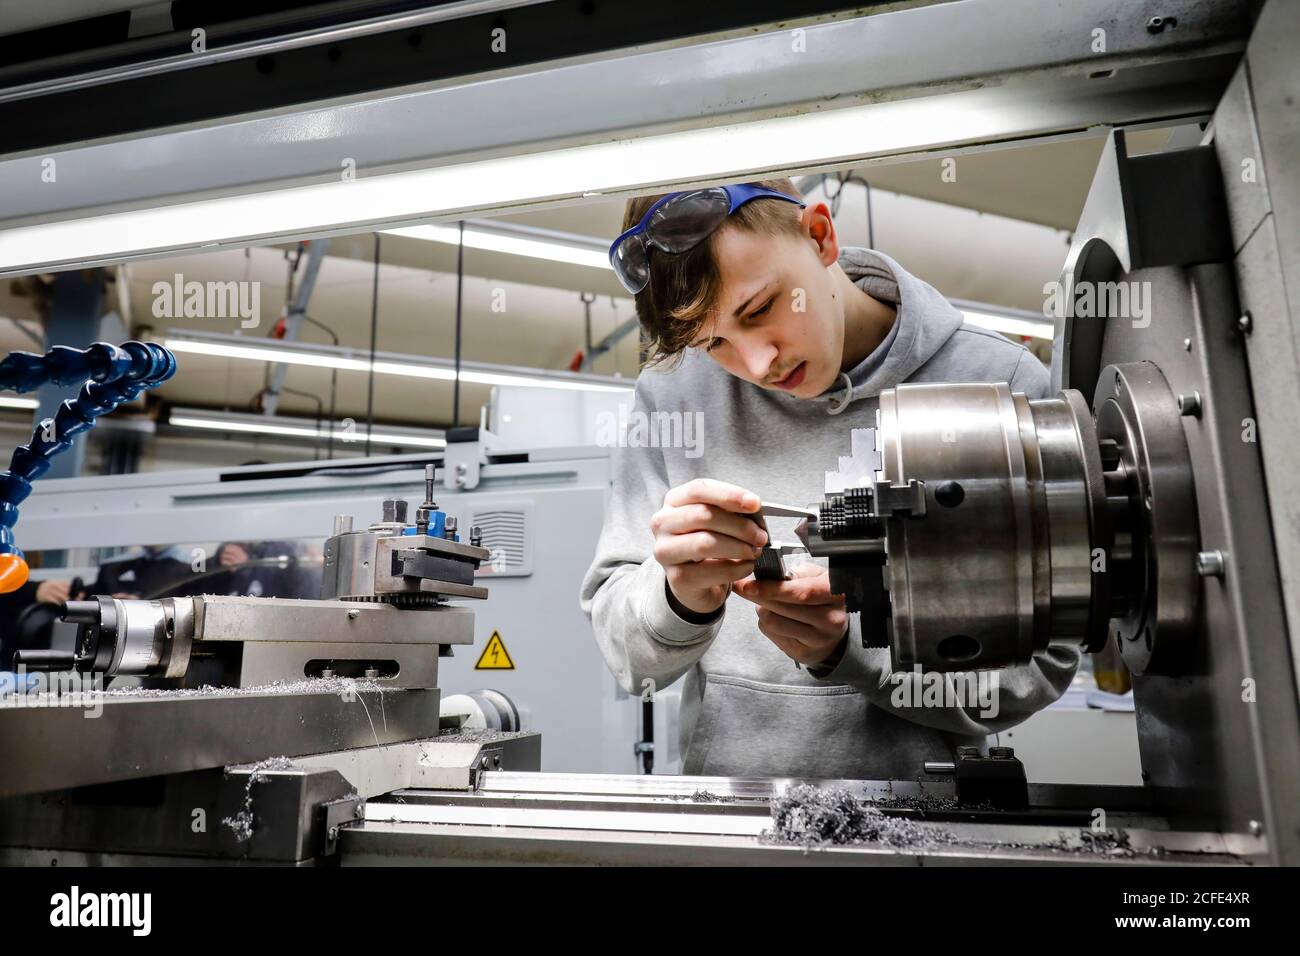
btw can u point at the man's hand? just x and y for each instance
(800, 616)
(231, 554)
(53, 592)
(704, 543)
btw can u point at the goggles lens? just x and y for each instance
(679, 225)
(685, 221)
(632, 264)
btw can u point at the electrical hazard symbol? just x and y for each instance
(495, 657)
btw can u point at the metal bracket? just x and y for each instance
(467, 451)
(900, 500)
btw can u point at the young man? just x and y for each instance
(781, 341)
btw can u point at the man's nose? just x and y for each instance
(757, 357)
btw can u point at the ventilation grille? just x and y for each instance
(505, 536)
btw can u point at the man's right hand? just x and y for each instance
(704, 543)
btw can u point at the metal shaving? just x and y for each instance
(241, 824)
(316, 685)
(922, 802)
(479, 736)
(809, 816)
(1114, 843)
(708, 796)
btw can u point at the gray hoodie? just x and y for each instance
(747, 709)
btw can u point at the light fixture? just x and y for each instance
(300, 428)
(614, 168)
(1009, 321)
(220, 345)
(516, 240)
(11, 401)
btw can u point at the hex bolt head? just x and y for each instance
(1002, 753)
(1246, 324)
(1256, 828)
(1187, 345)
(968, 751)
(353, 614)
(394, 511)
(1209, 564)
(1189, 405)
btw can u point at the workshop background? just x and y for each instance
(991, 235)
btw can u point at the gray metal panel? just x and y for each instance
(234, 618)
(1236, 142)
(186, 817)
(266, 662)
(1257, 121)
(1003, 68)
(204, 505)
(135, 736)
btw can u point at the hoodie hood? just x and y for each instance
(924, 322)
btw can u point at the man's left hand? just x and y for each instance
(800, 616)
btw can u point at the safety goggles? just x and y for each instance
(678, 223)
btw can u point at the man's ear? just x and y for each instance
(817, 226)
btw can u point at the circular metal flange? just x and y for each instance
(1135, 408)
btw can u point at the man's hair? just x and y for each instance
(684, 288)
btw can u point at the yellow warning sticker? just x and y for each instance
(495, 657)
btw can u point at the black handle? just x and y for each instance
(39, 659)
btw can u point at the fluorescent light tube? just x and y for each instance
(308, 430)
(725, 153)
(9, 401)
(477, 373)
(1009, 325)
(502, 240)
